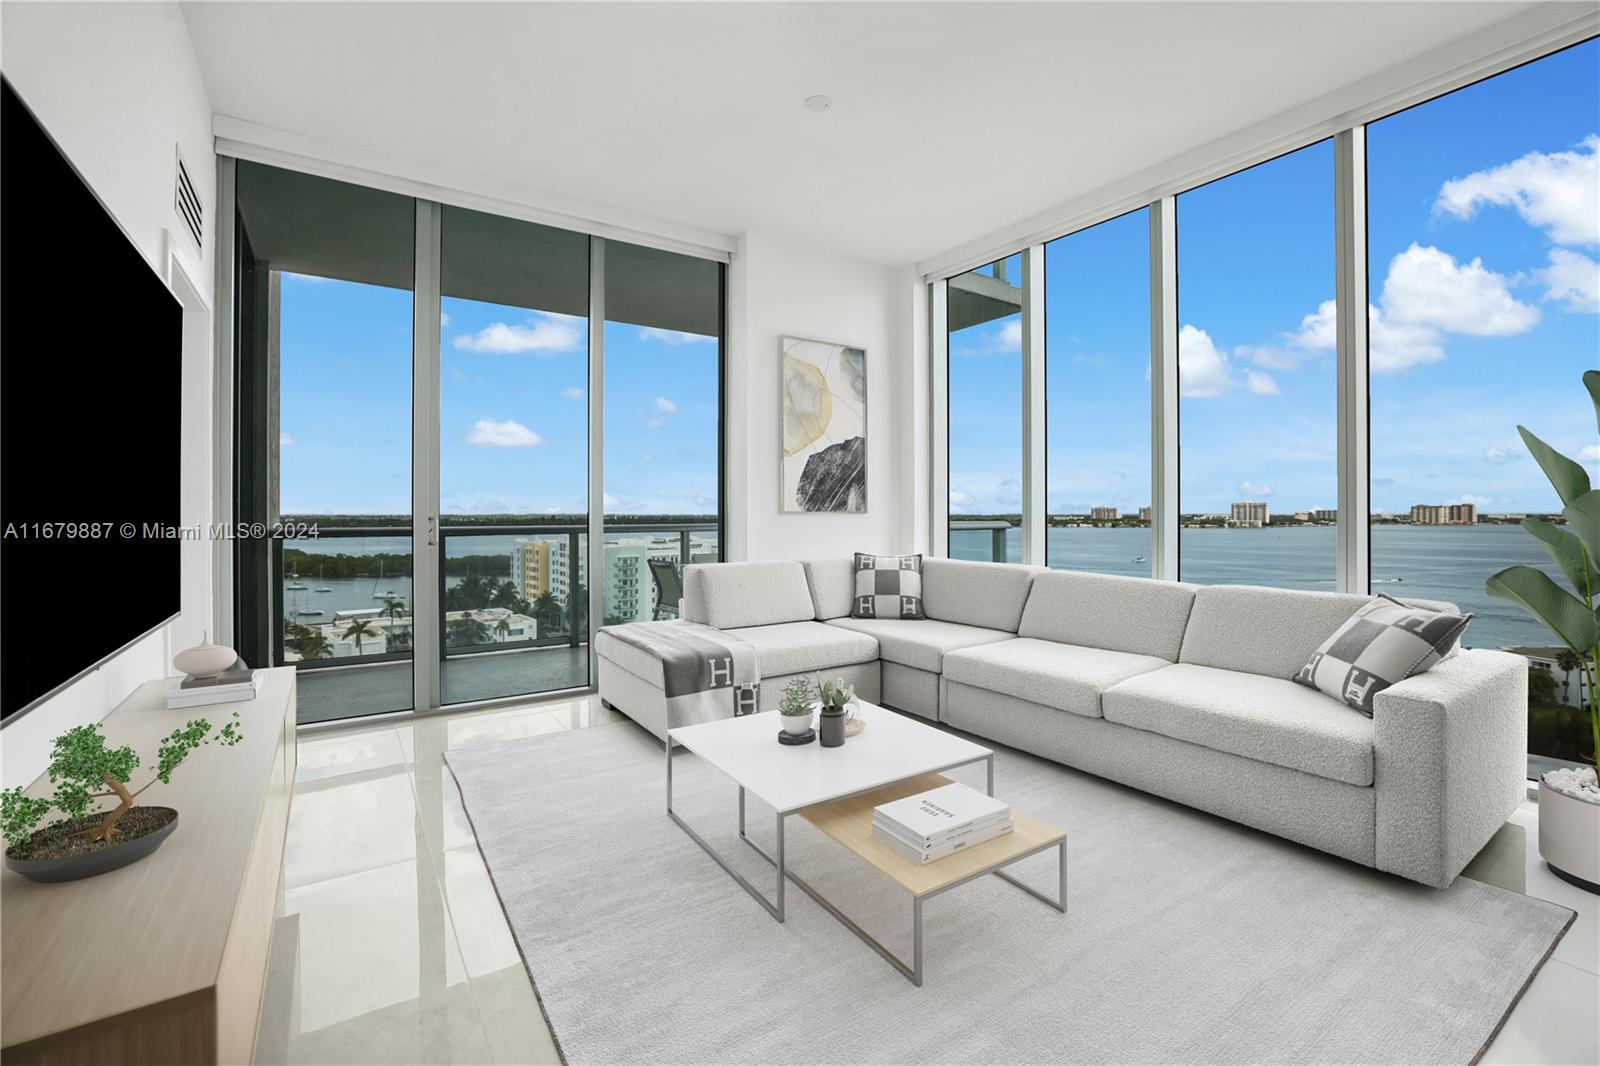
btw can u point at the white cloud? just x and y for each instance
(1010, 337)
(611, 502)
(1394, 346)
(960, 500)
(1572, 278)
(444, 318)
(655, 422)
(1591, 454)
(543, 333)
(1481, 501)
(1261, 384)
(285, 440)
(666, 406)
(1202, 367)
(1427, 287)
(572, 392)
(1559, 192)
(489, 433)
(673, 337)
(1496, 454)
(1254, 488)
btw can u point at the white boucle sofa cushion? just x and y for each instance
(731, 595)
(1262, 630)
(1132, 614)
(990, 595)
(922, 643)
(1067, 677)
(806, 647)
(1261, 718)
(832, 583)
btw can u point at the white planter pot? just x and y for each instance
(796, 723)
(1569, 837)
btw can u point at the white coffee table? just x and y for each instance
(895, 755)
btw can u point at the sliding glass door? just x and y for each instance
(423, 424)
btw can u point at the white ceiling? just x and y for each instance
(949, 122)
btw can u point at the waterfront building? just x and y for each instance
(1144, 513)
(1441, 514)
(530, 568)
(1324, 514)
(1104, 514)
(1251, 514)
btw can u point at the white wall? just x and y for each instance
(118, 87)
(778, 288)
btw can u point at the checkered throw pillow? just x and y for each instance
(888, 586)
(1383, 643)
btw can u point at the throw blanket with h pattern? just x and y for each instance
(706, 673)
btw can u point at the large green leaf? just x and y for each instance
(1591, 381)
(1568, 552)
(1567, 617)
(1570, 479)
(1583, 515)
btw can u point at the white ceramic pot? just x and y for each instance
(1569, 837)
(796, 723)
(205, 659)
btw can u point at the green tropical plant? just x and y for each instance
(392, 608)
(1574, 617)
(314, 645)
(796, 699)
(81, 764)
(1568, 662)
(361, 627)
(502, 628)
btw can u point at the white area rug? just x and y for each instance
(1187, 938)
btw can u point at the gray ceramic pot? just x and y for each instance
(91, 863)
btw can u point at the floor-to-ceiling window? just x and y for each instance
(458, 440)
(1483, 225)
(328, 296)
(985, 424)
(663, 360)
(1257, 396)
(1097, 390)
(513, 455)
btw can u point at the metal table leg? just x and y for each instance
(773, 908)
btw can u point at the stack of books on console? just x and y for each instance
(940, 822)
(235, 684)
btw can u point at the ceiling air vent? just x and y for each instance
(188, 203)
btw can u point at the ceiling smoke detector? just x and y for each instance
(818, 103)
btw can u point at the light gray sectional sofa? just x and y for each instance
(1180, 690)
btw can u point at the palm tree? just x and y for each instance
(467, 630)
(313, 645)
(1568, 661)
(361, 627)
(392, 608)
(502, 629)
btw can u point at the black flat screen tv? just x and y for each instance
(91, 364)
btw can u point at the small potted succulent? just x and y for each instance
(836, 697)
(86, 841)
(796, 706)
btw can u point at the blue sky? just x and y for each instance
(513, 408)
(1483, 213)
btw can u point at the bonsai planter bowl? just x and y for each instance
(1569, 837)
(99, 861)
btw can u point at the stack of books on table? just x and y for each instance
(940, 822)
(238, 682)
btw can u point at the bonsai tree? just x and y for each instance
(1573, 617)
(83, 770)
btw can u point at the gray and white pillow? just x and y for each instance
(887, 586)
(1382, 644)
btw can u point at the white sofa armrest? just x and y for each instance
(1450, 762)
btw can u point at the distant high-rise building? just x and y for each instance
(1439, 514)
(1324, 514)
(530, 568)
(1249, 513)
(1104, 514)
(1464, 514)
(1144, 514)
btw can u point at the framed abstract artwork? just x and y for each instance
(824, 464)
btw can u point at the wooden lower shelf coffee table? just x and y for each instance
(836, 789)
(849, 822)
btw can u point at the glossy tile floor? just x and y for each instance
(390, 945)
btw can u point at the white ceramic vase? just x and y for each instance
(205, 659)
(1569, 837)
